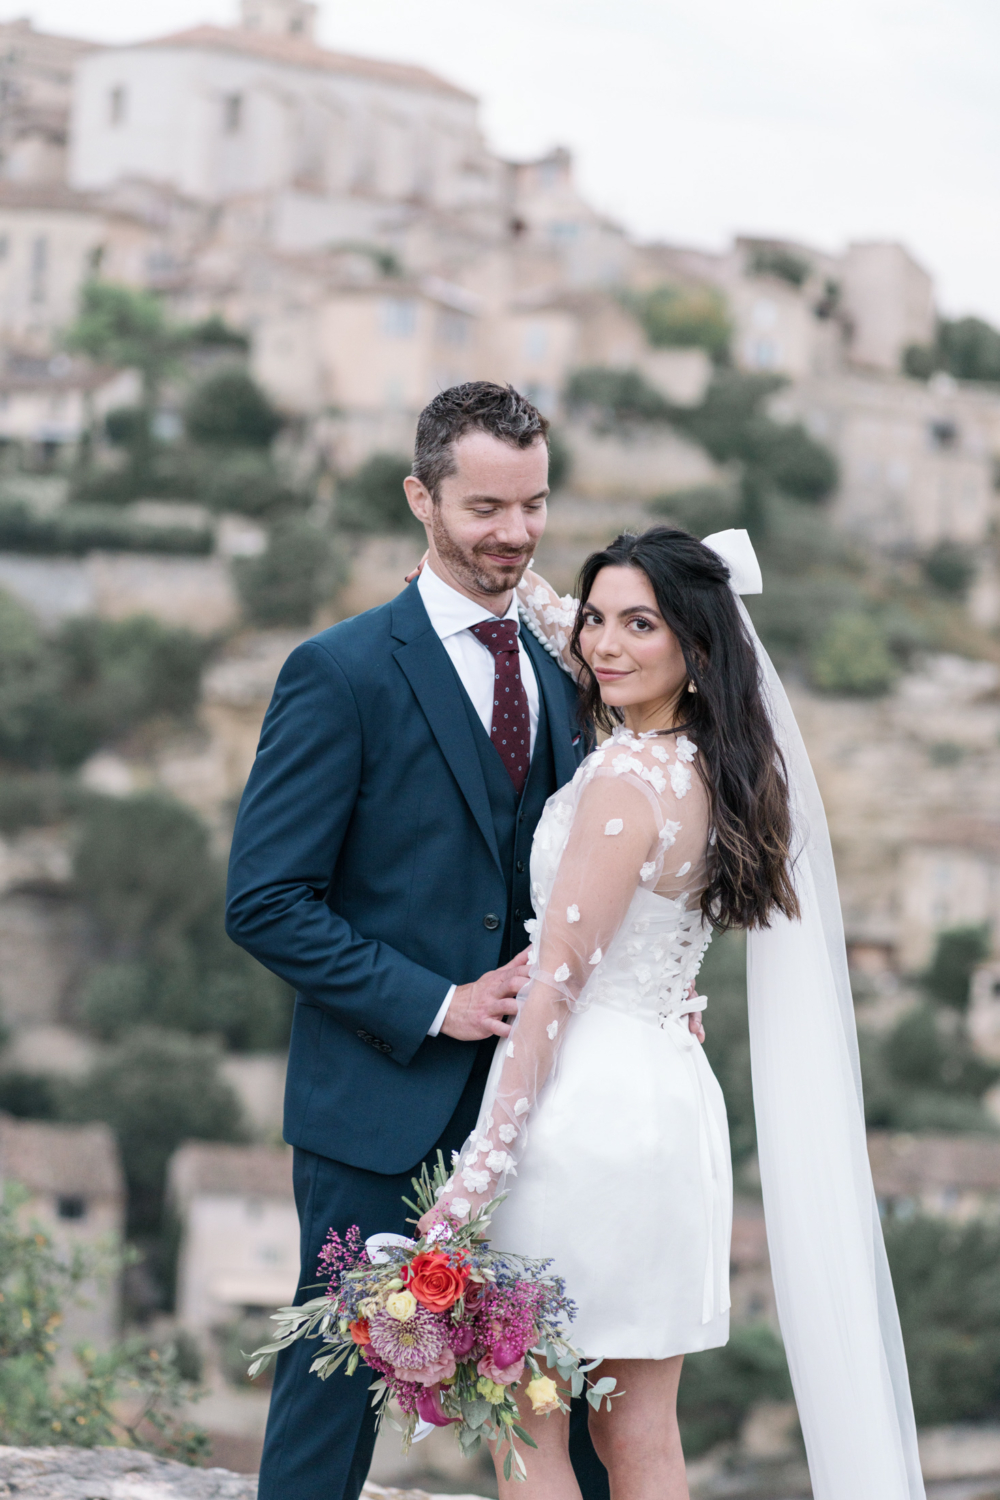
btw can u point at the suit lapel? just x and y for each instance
(560, 731)
(427, 667)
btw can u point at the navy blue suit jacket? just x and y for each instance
(364, 861)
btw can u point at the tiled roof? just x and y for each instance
(230, 1171)
(905, 1166)
(61, 1159)
(300, 53)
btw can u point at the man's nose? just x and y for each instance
(512, 529)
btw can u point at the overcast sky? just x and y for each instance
(827, 120)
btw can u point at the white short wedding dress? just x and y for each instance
(602, 1119)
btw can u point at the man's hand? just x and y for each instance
(477, 1010)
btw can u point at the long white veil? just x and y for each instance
(834, 1294)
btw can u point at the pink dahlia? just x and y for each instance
(412, 1344)
(442, 1368)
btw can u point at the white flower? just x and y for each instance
(510, 1049)
(615, 825)
(684, 867)
(595, 957)
(460, 1207)
(670, 829)
(497, 1161)
(489, 1122)
(482, 1143)
(454, 1158)
(572, 914)
(648, 870)
(507, 1133)
(658, 753)
(656, 779)
(476, 1182)
(642, 973)
(561, 974)
(551, 1029)
(521, 1107)
(680, 779)
(472, 1158)
(686, 751)
(531, 926)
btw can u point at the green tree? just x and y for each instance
(777, 261)
(157, 1089)
(286, 584)
(676, 317)
(947, 1283)
(967, 348)
(30, 681)
(372, 498)
(719, 1386)
(957, 953)
(229, 409)
(155, 892)
(950, 568)
(852, 656)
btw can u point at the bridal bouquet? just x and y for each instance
(457, 1333)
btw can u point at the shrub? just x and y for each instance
(84, 528)
(702, 509)
(127, 426)
(957, 953)
(229, 408)
(677, 317)
(372, 498)
(560, 460)
(30, 681)
(146, 874)
(719, 1386)
(286, 584)
(29, 1096)
(156, 1090)
(799, 466)
(41, 1406)
(37, 800)
(615, 398)
(947, 1283)
(245, 480)
(852, 656)
(950, 568)
(775, 260)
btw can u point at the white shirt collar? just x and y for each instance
(451, 612)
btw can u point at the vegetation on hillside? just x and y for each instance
(967, 348)
(132, 1395)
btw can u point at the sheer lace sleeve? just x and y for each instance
(618, 822)
(549, 618)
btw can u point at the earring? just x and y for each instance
(692, 688)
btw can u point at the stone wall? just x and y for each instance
(124, 1474)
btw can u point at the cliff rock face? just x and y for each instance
(125, 1474)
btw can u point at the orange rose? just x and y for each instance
(359, 1331)
(436, 1283)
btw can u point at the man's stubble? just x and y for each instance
(469, 567)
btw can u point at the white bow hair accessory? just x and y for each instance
(736, 550)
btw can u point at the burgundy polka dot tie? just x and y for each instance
(511, 730)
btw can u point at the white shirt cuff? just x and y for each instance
(438, 1020)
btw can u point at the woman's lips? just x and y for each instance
(607, 674)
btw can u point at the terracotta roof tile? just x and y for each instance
(61, 1159)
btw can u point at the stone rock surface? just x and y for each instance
(126, 1474)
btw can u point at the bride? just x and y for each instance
(602, 1120)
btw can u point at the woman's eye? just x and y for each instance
(589, 618)
(641, 625)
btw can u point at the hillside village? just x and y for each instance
(234, 265)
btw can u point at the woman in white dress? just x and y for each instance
(602, 1120)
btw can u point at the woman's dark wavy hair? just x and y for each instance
(749, 862)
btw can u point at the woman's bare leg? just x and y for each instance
(550, 1473)
(638, 1440)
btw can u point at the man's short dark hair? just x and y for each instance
(476, 406)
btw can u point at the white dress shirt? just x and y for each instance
(451, 615)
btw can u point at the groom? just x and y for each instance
(380, 866)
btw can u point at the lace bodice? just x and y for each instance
(617, 868)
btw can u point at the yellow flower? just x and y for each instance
(542, 1394)
(401, 1306)
(489, 1388)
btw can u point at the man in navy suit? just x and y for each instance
(380, 866)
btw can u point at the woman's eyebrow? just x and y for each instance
(638, 609)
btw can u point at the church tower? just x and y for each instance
(295, 18)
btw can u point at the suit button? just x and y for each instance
(520, 817)
(519, 867)
(491, 921)
(518, 914)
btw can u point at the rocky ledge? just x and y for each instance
(125, 1474)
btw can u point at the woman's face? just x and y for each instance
(630, 648)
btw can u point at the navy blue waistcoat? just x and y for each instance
(375, 862)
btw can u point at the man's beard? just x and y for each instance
(470, 567)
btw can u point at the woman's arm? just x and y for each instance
(548, 617)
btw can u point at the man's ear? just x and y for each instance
(419, 499)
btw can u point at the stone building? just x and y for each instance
(949, 877)
(36, 82)
(950, 1176)
(76, 1194)
(239, 1232)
